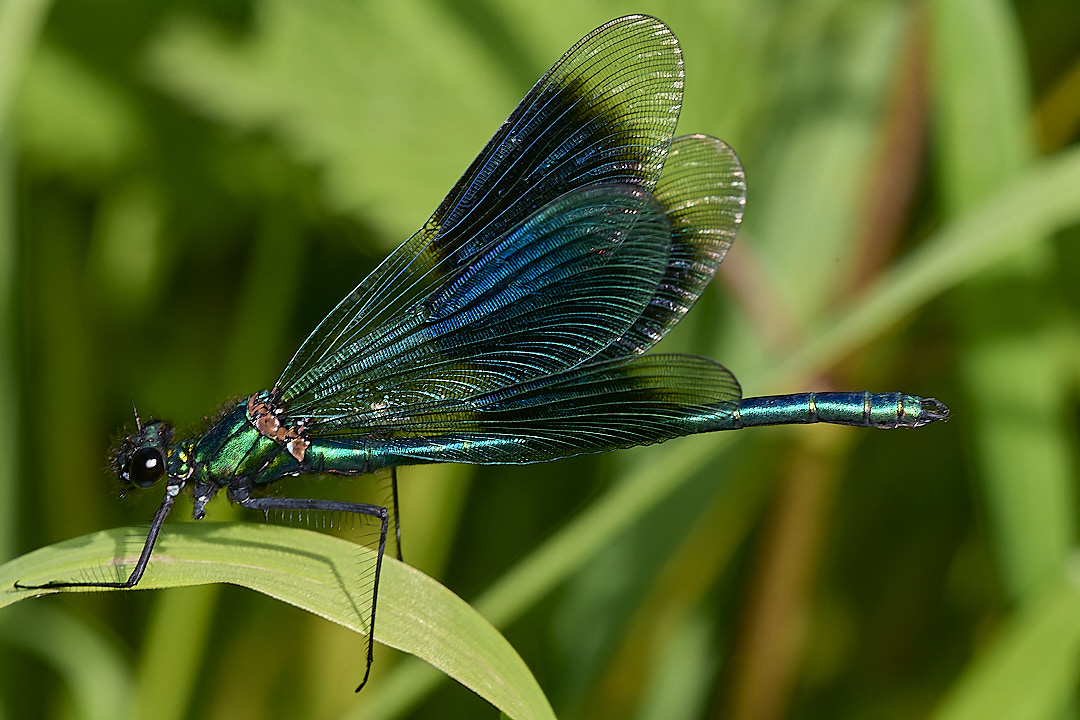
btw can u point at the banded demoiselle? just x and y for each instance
(514, 326)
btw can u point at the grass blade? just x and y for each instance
(306, 569)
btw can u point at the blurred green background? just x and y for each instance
(187, 187)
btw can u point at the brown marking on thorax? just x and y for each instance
(264, 417)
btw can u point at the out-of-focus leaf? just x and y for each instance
(1010, 353)
(317, 75)
(98, 676)
(1028, 671)
(73, 120)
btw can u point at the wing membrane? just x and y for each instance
(549, 296)
(604, 113)
(703, 192)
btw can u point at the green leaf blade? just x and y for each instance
(313, 572)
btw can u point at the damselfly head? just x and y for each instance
(140, 459)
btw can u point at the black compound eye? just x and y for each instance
(146, 467)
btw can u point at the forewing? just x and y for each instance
(604, 113)
(547, 297)
(703, 191)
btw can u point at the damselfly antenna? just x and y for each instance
(138, 422)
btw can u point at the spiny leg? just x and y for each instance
(396, 517)
(140, 566)
(376, 511)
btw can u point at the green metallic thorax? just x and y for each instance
(235, 451)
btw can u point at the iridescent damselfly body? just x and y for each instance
(514, 326)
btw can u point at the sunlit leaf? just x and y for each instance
(310, 570)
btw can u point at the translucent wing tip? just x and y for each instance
(702, 192)
(704, 186)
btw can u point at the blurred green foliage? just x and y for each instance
(187, 187)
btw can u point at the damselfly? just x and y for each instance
(513, 326)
